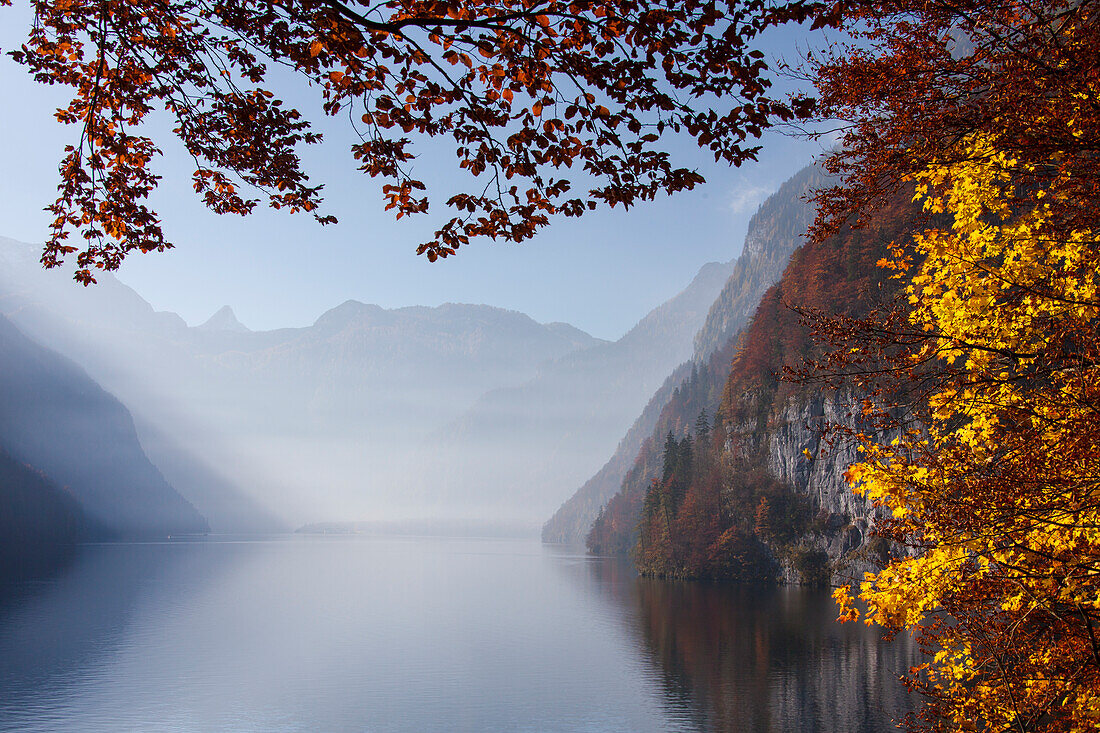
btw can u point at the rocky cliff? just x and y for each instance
(744, 501)
(793, 452)
(774, 232)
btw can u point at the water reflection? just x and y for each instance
(62, 632)
(421, 635)
(750, 658)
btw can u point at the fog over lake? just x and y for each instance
(153, 474)
(363, 633)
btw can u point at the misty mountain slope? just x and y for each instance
(113, 333)
(55, 418)
(346, 404)
(572, 520)
(314, 423)
(227, 509)
(38, 520)
(517, 451)
(774, 232)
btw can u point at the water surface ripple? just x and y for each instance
(389, 634)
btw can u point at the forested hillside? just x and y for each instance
(774, 231)
(759, 497)
(39, 520)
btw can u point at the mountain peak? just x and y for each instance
(347, 313)
(224, 320)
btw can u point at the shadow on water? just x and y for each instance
(32, 564)
(756, 658)
(60, 626)
(54, 625)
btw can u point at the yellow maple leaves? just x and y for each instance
(997, 493)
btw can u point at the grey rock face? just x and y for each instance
(774, 232)
(820, 477)
(845, 524)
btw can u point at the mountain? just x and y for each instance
(207, 485)
(522, 447)
(116, 336)
(224, 320)
(774, 232)
(39, 520)
(762, 497)
(56, 419)
(572, 521)
(613, 530)
(311, 424)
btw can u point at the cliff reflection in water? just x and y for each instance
(752, 658)
(419, 635)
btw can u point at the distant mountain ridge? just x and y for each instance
(314, 421)
(527, 444)
(775, 231)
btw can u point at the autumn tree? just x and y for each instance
(762, 518)
(997, 489)
(989, 369)
(555, 107)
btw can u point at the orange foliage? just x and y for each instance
(529, 91)
(988, 369)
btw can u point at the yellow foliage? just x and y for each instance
(999, 492)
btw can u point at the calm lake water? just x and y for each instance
(324, 633)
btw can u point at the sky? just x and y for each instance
(601, 273)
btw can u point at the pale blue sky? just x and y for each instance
(601, 273)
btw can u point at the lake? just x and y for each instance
(360, 633)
